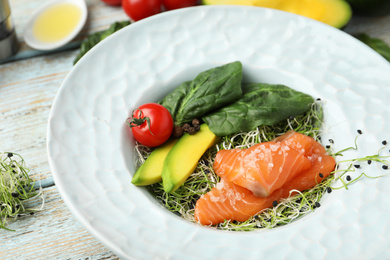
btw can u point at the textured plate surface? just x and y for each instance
(92, 160)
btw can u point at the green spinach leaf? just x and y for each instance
(376, 44)
(210, 90)
(261, 104)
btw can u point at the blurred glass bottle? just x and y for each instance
(8, 40)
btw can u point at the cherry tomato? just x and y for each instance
(151, 124)
(176, 4)
(113, 2)
(140, 9)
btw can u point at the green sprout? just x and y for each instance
(16, 188)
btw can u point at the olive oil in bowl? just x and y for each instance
(55, 24)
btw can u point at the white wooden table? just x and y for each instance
(27, 89)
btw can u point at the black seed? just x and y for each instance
(384, 142)
(331, 141)
(274, 203)
(328, 146)
(195, 122)
(348, 178)
(319, 138)
(268, 220)
(369, 161)
(191, 130)
(185, 127)
(10, 154)
(385, 167)
(15, 194)
(317, 204)
(31, 213)
(321, 175)
(318, 99)
(329, 189)
(359, 131)
(357, 166)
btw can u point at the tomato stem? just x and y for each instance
(137, 121)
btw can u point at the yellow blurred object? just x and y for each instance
(336, 13)
(57, 22)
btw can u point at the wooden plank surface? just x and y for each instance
(27, 90)
(52, 233)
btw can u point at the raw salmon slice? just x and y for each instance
(262, 168)
(304, 144)
(265, 167)
(228, 201)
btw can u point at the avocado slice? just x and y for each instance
(150, 171)
(183, 158)
(336, 13)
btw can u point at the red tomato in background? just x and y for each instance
(113, 2)
(176, 4)
(140, 9)
(151, 124)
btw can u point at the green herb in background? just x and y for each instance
(376, 44)
(16, 188)
(95, 38)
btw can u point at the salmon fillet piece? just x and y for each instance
(304, 144)
(229, 201)
(262, 168)
(236, 196)
(265, 167)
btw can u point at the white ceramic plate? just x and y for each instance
(92, 160)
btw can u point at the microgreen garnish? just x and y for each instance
(16, 188)
(182, 201)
